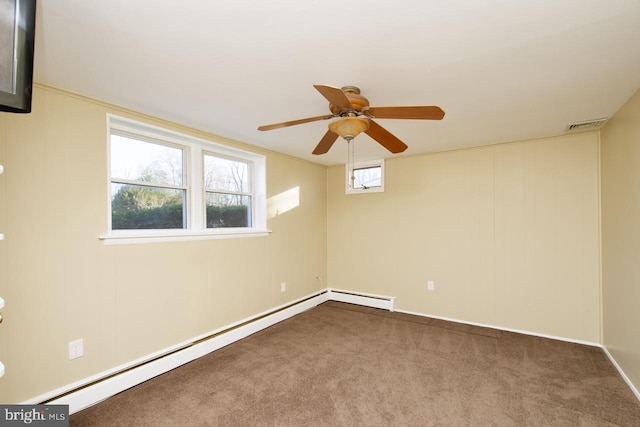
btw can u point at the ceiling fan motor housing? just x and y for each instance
(358, 102)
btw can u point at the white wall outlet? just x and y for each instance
(283, 287)
(431, 286)
(76, 349)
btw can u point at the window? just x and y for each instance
(365, 177)
(168, 186)
(227, 187)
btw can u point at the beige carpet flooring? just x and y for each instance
(345, 365)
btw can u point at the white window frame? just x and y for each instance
(364, 165)
(195, 148)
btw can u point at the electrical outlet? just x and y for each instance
(76, 349)
(283, 287)
(431, 286)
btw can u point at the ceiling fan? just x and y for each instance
(355, 116)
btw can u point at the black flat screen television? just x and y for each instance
(17, 36)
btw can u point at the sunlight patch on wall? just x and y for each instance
(283, 202)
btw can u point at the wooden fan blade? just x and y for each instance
(385, 138)
(421, 113)
(295, 122)
(335, 96)
(325, 143)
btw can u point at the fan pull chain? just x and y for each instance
(350, 163)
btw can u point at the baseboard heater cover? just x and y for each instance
(87, 392)
(369, 300)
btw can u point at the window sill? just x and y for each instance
(161, 236)
(377, 189)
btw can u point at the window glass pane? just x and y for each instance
(367, 177)
(136, 160)
(228, 210)
(136, 207)
(225, 174)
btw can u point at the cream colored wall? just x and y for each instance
(509, 233)
(61, 283)
(620, 154)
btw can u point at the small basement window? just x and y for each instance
(365, 177)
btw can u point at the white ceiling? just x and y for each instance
(503, 70)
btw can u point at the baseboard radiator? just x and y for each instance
(370, 300)
(89, 391)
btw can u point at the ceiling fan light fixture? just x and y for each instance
(349, 127)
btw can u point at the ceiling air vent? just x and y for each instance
(586, 125)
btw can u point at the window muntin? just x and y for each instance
(174, 172)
